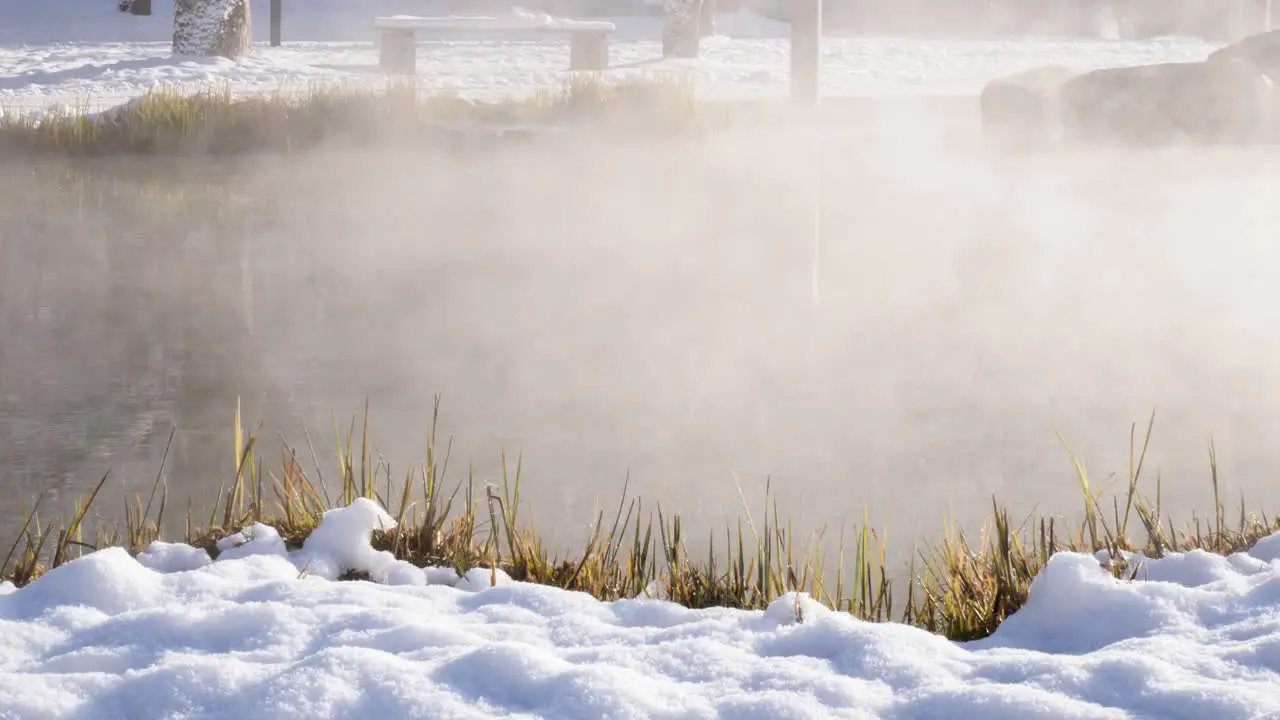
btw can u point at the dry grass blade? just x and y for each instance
(958, 588)
(24, 533)
(60, 552)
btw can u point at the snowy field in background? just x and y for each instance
(262, 633)
(62, 56)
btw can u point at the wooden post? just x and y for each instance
(276, 12)
(398, 54)
(707, 18)
(588, 51)
(806, 50)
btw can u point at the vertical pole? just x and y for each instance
(276, 12)
(707, 18)
(815, 287)
(806, 50)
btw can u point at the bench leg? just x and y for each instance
(588, 52)
(398, 55)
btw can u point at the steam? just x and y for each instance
(675, 311)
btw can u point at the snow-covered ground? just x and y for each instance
(262, 633)
(84, 53)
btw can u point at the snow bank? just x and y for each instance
(746, 25)
(86, 56)
(251, 636)
(100, 21)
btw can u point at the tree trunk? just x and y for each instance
(680, 38)
(212, 27)
(707, 18)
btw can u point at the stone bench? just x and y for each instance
(588, 49)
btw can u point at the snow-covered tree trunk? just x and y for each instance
(707, 18)
(680, 33)
(212, 27)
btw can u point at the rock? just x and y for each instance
(212, 28)
(1021, 111)
(1261, 52)
(1219, 102)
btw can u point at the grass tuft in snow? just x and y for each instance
(959, 587)
(167, 121)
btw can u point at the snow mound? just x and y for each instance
(743, 24)
(173, 557)
(341, 544)
(169, 635)
(257, 539)
(478, 579)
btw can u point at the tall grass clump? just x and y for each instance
(958, 587)
(170, 121)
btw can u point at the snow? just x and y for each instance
(342, 543)
(257, 539)
(84, 55)
(510, 22)
(261, 633)
(165, 557)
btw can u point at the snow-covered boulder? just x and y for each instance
(212, 27)
(1021, 110)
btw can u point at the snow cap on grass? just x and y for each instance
(1075, 605)
(257, 539)
(1194, 568)
(478, 579)
(441, 576)
(342, 543)
(165, 557)
(1267, 549)
(793, 608)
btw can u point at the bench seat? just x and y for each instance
(588, 44)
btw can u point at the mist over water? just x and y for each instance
(648, 309)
